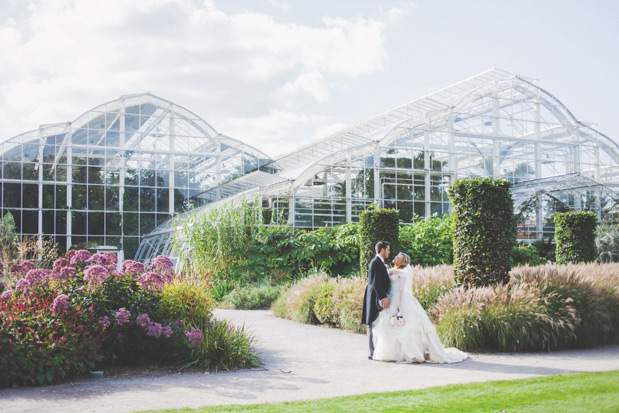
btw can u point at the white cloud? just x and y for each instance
(246, 71)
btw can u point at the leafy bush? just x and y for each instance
(40, 346)
(224, 347)
(525, 255)
(182, 301)
(377, 225)
(545, 249)
(607, 243)
(253, 296)
(575, 235)
(324, 307)
(483, 229)
(428, 240)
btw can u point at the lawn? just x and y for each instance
(582, 392)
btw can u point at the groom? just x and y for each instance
(376, 292)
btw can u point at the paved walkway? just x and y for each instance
(300, 362)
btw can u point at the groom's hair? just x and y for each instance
(381, 245)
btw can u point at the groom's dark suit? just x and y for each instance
(377, 290)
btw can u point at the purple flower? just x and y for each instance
(5, 296)
(23, 286)
(60, 304)
(179, 324)
(17, 269)
(62, 273)
(112, 259)
(104, 321)
(164, 263)
(167, 331)
(194, 337)
(122, 316)
(60, 263)
(1, 267)
(143, 320)
(154, 330)
(152, 281)
(132, 267)
(28, 265)
(37, 277)
(80, 257)
(95, 275)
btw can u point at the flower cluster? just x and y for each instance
(154, 330)
(22, 286)
(122, 316)
(152, 281)
(164, 263)
(143, 320)
(61, 304)
(107, 260)
(167, 331)
(63, 273)
(80, 257)
(27, 266)
(17, 269)
(95, 275)
(194, 337)
(36, 277)
(132, 267)
(104, 321)
(60, 263)
(6, 295)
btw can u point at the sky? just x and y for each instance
(278, 74)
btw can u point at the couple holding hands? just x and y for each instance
(398, 327)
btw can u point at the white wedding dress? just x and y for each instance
(416, 341)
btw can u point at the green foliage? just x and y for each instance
(428, 241)
(224, 347)
(575, 235)
(40, 347)
(253, 296)
(377, 225)
(607, 243)
(8, 239)
(545, 249)
(483, 230)
(182, 301)
(279, 305)
(324, 308)
(525, 255)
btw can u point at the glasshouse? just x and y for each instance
(116, 172)
(495, 124)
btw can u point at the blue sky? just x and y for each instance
(277, 74)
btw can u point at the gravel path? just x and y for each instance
(300, 362)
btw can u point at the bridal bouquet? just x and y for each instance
(397, 320)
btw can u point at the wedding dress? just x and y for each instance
(416, 341)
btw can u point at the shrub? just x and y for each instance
(253, 296)
(428, 240)
(607, 243)
(545, 249)
(300, 302)
(430, 283)
(224, 347)
(279, 305)
(525, 255)
(374, 226)
(324, 307)
(182, 301)
(348, 303)
(575, 235)
(40, 346)
(483, 229)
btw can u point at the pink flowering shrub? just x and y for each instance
(152, 281)
(130, 267)
(95, 275)
(61, 304)
(79, 258)
(122, 316)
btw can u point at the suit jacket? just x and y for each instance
(377, 289)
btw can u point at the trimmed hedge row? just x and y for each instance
(377, 225)
(575, 235)
(483, 230)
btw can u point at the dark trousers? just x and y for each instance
(371, 341)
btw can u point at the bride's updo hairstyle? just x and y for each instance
(405, 259)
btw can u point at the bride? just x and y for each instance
(416, 340)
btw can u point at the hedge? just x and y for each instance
(483, 230)
(575, 235)
(377, 225)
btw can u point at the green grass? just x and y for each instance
(582, 392)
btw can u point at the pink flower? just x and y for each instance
(95, 275)
(179, 324)
(152, 281)
(60, 263)
(164, 263)
(28, 265)
(60, 304)
(63, 273)
(104, 321)
(22, 286)
(143, 320)
(80, 257)
(194, 337)
(132, 267)
(122, 316)
(112, 259)
(5, 296)
(37, 277)
(167, 331)
(153, 330)
(17, 269)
